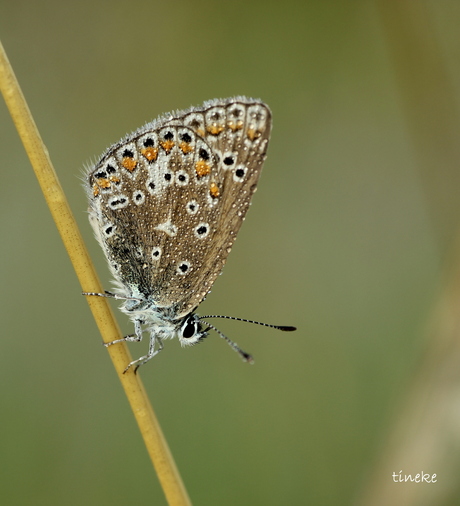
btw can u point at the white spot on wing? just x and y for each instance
(167, 227)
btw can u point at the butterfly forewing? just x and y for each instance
(167, 201)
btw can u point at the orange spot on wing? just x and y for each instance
(252, 133)
(215, 129)
(214, 190)
(129, 163)
(235, 125)
(103, 183)
(185, 147)
(167, 145)
(202, 168)
(150, 154)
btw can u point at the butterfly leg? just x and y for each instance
(110, 295)
(131, 338)
(150, 354)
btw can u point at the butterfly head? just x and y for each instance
(191, 330)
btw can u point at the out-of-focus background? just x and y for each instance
(351, 237)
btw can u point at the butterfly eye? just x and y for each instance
(191, 331)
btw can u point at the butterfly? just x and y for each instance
(166, 203)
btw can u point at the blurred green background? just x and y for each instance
(346, 239)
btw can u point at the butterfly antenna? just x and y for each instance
(284, 328)
(245, 356)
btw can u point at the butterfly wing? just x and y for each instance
(167, 201)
